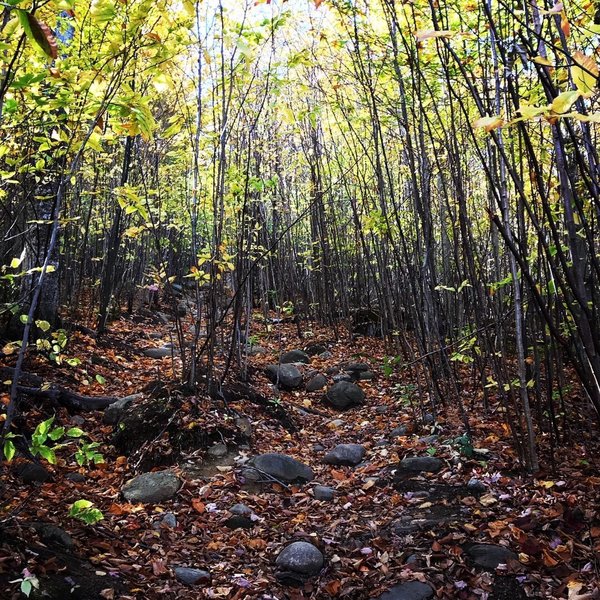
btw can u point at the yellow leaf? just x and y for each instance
(426, 34)
(530, 112)
(489, 123)
(563, 102)
(540, 60)
(584, 73)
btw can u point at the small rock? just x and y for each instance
(191, 576)
(314, 349)
(113, 413)
(300, 559)
(490, 556)
(239, 522)
(380, 443)
(318, 447)
(382, 410)
(157, 352)
(411, 590)
(282, 467)
(325, 355)
(318, 382)
(169, 520)
(334, 424)
(323, 493)
(151, 487)
(181, 310)
(398, 431)
(428, 464)
(286, 376)
(51, 534)
(355, 367)
(217, 451)
(244, 425)
(345, 455)
(240, 509)
(344, 395)
(366, 376)
(32, 472)
(429, 439)
(342, 377)
(78, 420)
(155, 335)
(75, 477)
(294, 356)
(256, 350)
(476, 487)
(428, 418)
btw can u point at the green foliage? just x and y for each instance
(85, 511)
(86, 454)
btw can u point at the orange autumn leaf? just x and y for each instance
(198, 505)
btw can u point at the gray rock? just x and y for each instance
(326, 355)
(217, 451)
(157, 352)
(155, 335)
(51, 534)
(151, 487)
(318, 447)
(381, 443)
(355, 367)
(286, 376)
(345, 454)
(191, 576)
(240, 509)
(282, 467)
(343, 377)
(300, 558)
(239, 522)
(428, 418)
(428, 464)
(32, 472)
(411, 590)
(314, 349)
(168, 520)
(489, 556)
(335, 423)
(398, 431)
(344, 395)
(323, 493)
(244, 425)
(429, 439)
(318, 382)
(366, 376)
(476, 487)
(256, 350)
(113, 413)
(382, 410)
(75, 477)
(181, 310)
(294, 356)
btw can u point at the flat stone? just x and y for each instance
(113, 413)
(32, 472)
(343, 377)
(401, 430)
(490, 556)
(428, 418)
(240, 509)
(157, 352)
(287, 376)
(326, 355)
(366, 376)
(294, 356)
(217, 451)
(428, 464)
(75, 477)
(323, 493)
(256, 350)
(283, 467)
(191, 576)
(151, 487)
(300, 558)
(169, 520)
(345, 455)
(345, 395)
(356, 367)
(381, 443)
(476, 487)
(239, 522)
(382, 410)
(318, 382)
(314, 349)
(51, 534)
(429, 439)
(411, 590)
(244, 425)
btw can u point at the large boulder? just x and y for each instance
(490, 556)
(418, 464)
(345, 454)
(344, 395)
(282, 467)
(152, 488)
(411, 590)
(298, 562)
(294, 356)
(285, 376)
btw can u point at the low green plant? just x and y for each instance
(28, 582)
(87, 454)
(85, 511)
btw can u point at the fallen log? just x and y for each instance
(36, 387)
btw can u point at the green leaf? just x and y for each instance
(9, 450)
(26, 587)
(39, 33)
(43, 325)
(56, 433)
(100, 379)
(48, 454)
(75, 432)
(15, 263)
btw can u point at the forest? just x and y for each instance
(299, 299)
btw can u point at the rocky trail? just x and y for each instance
(322, 477)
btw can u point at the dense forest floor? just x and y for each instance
(381, 523)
